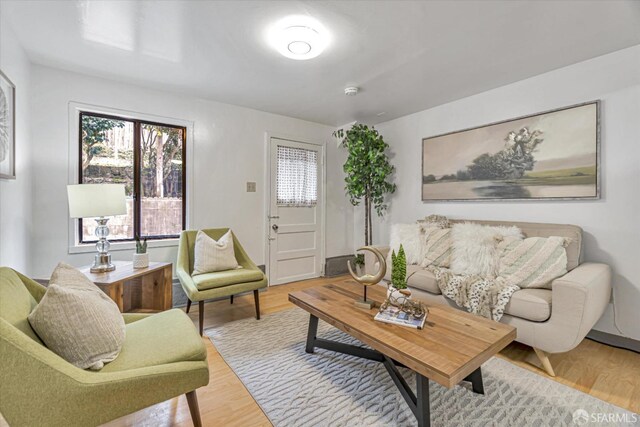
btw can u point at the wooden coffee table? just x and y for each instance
(450, 349)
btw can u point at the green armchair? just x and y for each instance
(221, 283)
(162, 357)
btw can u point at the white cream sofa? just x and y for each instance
(550, 321)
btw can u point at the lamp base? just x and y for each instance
(102, 264)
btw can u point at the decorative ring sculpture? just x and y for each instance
(370, 279)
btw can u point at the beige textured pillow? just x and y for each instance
(437, 247)
(211, 255)
(439, 221)
(77, 321)
(534, 262)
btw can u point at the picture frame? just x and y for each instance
(7, 128)
(509, 161)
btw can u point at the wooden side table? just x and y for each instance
(137, 290)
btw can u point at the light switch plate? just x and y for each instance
(251, 187)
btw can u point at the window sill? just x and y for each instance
(82, 248)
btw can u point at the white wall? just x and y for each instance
(611, 225)
(229, 150)
(15, 195)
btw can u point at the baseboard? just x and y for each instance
(337, 265)
(615, 340)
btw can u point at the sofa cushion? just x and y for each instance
(438, 246)
(534, 262)
(166, 337)
(530, 304)
(226, 278)
(411, 237)
(476, 247)
(419, 278)
(16, 302)
(213, 255)
(77, 321)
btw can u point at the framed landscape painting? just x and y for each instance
(549, 155)
(7, 128)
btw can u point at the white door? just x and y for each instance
(295, 224)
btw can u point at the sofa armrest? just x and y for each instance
(578, 300)
(370, 260)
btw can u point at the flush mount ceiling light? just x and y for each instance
(298, 37)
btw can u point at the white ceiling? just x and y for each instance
(405, 56)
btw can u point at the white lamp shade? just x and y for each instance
(94, 200)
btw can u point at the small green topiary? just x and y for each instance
(399, 269)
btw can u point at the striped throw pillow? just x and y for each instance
(211, 255)
(438, 245)
(534, 262)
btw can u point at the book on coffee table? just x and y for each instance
(396, 316)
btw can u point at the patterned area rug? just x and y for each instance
(331, 389)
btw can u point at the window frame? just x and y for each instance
(137, 165)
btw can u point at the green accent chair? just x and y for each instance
(220, 283)
(162, 357)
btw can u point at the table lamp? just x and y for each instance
(98, 201)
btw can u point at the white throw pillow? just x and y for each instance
(77, 321)
(477, 248)
(412, 239)
(211, 255)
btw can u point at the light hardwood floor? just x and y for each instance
(605, 372)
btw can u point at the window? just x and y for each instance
(149, 159)
(297, 177)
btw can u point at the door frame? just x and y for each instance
(268, 135)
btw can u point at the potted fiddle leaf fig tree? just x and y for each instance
(141, 257)
(368, 171)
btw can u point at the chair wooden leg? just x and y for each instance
(231, 299)
(201, 316)
(256, 297)
(192, 399)
(188, 305)
(545, 361)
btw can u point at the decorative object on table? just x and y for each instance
(397, 292)
(548, 155)
(369, 279)
(367, 170)
(7, 128)
(141, 257)
(98, 201)
(411, 314)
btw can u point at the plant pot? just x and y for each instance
(359, 270)
(140, 260)
(396, 297)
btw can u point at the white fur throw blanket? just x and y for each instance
(478, 295)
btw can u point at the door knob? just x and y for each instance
(275, 227)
